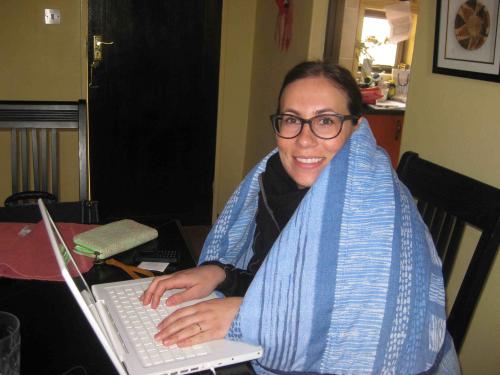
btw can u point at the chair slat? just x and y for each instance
(13, 160)
(445, 234)
(437, 224)
(422, 206)
(472, 284)
(53, 162)
(24, 159)
(82, 149)
(429, 213)
(452, 249)
(43, 159)
(36, 157)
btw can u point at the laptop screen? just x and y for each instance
(78, 286)
(66, 260)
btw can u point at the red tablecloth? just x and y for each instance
(25, 251)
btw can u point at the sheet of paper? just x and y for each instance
(399, 17)
(154, 266)
(25, 231)
(388, 104)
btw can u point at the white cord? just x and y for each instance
(213, 371)
(84, 371)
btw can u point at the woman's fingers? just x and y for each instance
(182, 330)
(199, 338)
(159, 285)
(182, 324)
(184, 296)
(182, 316)
(146, 296)
(153, 289)
(199, 323)
(199, 282)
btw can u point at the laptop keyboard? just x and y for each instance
(141, 321)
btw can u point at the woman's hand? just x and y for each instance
(204, 321)
(197, 282)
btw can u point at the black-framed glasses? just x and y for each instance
(324, 126)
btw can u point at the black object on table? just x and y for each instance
(56, 338)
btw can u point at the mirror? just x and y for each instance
(355, 27)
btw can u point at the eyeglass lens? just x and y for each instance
(324, 126)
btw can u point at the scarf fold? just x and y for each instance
(352, 285)
(280, 192)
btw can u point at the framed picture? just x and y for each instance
(467, 40)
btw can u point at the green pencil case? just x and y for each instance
(113, 238)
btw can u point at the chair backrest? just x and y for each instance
(447, 201)
(38, 123)
(83, 212)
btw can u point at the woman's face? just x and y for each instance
(305, 156)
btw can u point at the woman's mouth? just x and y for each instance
(309, 162)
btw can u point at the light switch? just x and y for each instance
(52, 16)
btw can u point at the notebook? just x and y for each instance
(114, 324)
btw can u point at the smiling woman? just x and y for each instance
(319, 256)
(311, 93)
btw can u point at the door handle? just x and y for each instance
(98, 43)
(97, 48)
(399, 128)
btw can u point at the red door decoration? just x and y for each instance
(284, 24)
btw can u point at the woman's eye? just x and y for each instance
(326, 120)
(290, 120)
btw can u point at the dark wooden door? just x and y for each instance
(153, 107)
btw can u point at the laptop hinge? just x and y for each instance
(111, 331)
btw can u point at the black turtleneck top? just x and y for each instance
(279, 197)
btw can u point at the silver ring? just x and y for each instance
(198, 324)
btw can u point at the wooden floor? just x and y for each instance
(195, 235)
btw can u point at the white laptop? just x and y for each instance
(125, 327)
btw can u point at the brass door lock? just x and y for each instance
(97, 48)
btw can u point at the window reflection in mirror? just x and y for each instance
(351, 21)
(375, 44)
(373, 34)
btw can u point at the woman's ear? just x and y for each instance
(355, 125)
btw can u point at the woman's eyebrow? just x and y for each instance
(325, 110)
(317, 112)
(292, 111)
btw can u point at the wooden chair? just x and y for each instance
(447, 202)
(38, 123)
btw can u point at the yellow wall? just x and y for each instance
(238, 26)
(455, 122)
(270, 64)
(252, 68)
(42, 62)
(350, 23)
(317, 33)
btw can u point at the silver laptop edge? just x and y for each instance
(93, 317)
(92, 303)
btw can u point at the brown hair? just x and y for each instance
(339, 76)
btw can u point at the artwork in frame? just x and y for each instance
(467, 40)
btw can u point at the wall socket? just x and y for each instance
(52, 16)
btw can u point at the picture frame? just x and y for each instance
(467, 39)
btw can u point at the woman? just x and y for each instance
(320, 252)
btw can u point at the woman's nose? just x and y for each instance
(306, 138)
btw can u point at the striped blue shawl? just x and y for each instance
(352, 284)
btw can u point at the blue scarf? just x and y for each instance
(353, 283)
